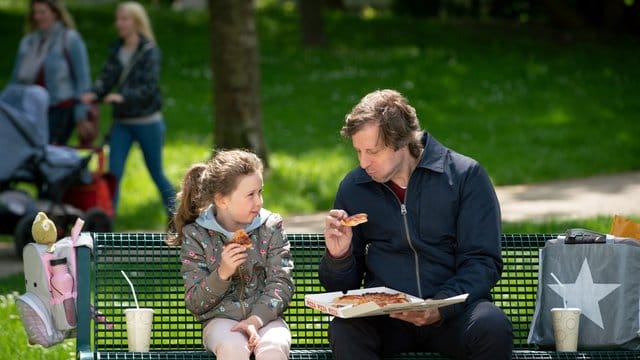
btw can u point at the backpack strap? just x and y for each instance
(67, 56)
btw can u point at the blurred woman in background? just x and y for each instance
(53, 55)
(132, 71)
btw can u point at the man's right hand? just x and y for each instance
(337, 237)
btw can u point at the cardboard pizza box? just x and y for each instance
(323, 302)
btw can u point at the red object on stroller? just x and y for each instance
(97, 194)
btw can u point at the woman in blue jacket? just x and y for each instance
(132, 71)
(53, 55)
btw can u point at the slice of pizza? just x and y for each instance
(349, 300)
(382, 299)
(241, 237)
(355, 220)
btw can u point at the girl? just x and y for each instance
(133, 69)
(239, 294)
(54, 56)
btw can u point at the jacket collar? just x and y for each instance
(432, 158)
(208, 220)
(143, 45)
(433, 154)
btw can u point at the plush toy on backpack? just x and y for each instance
(44, 231)
(48, 308)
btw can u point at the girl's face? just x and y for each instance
(239, 208)
(43, 16)
(125, 24)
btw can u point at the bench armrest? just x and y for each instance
(83, 276)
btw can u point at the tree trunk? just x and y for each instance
(311, 22)
(562, 14)
(236, 76)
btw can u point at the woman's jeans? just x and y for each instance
(151, 138)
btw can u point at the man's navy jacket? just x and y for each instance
(443, 241)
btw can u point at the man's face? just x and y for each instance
(382, 163)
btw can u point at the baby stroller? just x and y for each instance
(54, 172)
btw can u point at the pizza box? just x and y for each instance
(323, 302)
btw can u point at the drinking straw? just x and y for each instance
(132, 289)
(564, 289)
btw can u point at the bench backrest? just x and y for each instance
(153, 268)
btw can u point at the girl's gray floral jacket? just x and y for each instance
(262, 285)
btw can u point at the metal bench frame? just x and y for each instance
(154, 268)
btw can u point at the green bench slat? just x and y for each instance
(154, 267)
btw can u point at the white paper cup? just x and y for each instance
(566, 324)
(139, 324)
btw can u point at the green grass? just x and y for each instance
(14, 343)
(528, 104)
(600, 224)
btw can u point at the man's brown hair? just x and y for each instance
(399, 125)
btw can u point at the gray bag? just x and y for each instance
(598, 274)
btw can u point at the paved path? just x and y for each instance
(604, 195)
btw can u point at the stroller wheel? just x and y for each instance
(22, 233)
(97, 220)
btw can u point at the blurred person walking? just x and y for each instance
(132, 70)
(53, 55)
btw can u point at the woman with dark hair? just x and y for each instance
(53, 55)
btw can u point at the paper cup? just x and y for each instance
(139, 324)
(566, 323)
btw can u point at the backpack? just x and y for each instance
(48, 308)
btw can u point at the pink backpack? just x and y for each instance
(48, 308)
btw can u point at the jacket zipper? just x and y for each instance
(403, 212)
(241, 295)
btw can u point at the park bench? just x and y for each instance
(153, 267)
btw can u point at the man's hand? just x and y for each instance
(233, 255)
(337, 237)
(250, 327)
(418, 318)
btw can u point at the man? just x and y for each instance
(433, 232)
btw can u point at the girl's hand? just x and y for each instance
(113, 99)
(233, 255)
(250, 327)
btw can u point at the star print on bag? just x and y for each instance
(574, 294)
(602, 280)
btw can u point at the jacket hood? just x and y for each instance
(208, 220)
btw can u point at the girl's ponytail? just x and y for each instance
(189, 202)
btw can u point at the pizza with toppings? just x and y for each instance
(241, 237)
(355, 220)
(382, 299)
